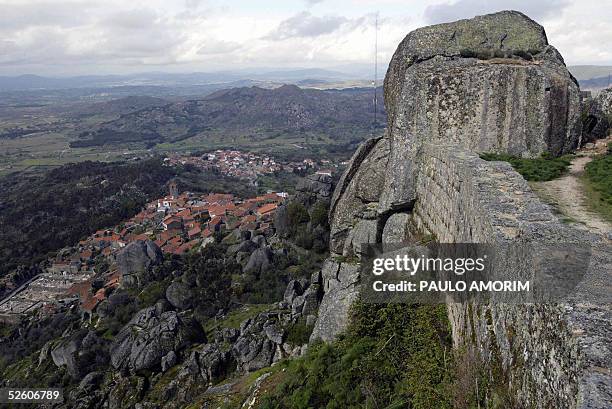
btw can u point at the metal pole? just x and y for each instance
(376, 71)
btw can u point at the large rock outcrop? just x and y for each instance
(597, 116)
(136, 258)
(152, 334)
(604, 99)
(489, 84)
(313, 188)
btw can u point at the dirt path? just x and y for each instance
(567, 195)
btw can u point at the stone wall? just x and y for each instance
(546, 351)
(551, 355)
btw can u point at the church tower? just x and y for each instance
(173, 189)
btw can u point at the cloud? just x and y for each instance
(60, 13)
(218, 47)
(305, 24)
(136, 19)
(451, 11)
(194, 4)
(114, 36)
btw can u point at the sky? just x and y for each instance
(77, 37)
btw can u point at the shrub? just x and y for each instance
(318, 214)
(391, 356)
(297, 213)
(299, 333)
(539, 169)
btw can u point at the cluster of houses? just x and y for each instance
(189, 220)
(177, 223)
(247, 165)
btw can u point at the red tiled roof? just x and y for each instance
(142, 237)
(217, 210)
(80, 289)
(216, 197)
(249, 219)
(184, 213)
(184, 248)
(215, 221)
(171, 218)
(170, 248)
(240, 212)
(175, 240)
(89, 304)
(194, 232)
(267, 208)
(100, 295)
(164, 236)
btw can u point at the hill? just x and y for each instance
(587, 72)
(592, 77)
(262, 113)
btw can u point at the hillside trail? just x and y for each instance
(567, 194)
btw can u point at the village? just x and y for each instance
(249, 165)
(86, 273)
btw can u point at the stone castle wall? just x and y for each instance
(540, 347)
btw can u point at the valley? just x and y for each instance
(287, 121)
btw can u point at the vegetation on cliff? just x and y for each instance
(391, 356)
(541, 169)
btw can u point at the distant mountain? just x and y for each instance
(592, 77)
(587, 72)
(35, 82)
(301, 74)
(596, 83)
(263, 113)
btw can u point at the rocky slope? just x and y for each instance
(489, 84)
(181, 329)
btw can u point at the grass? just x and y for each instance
(598, 185)
(390, 356)
(234, 318)
(540, 169)
(299, 333)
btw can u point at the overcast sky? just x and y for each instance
(66, 37)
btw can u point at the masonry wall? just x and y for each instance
(551, 356)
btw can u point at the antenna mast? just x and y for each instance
(376, 71)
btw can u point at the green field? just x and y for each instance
(598, 183)
(44, 150)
